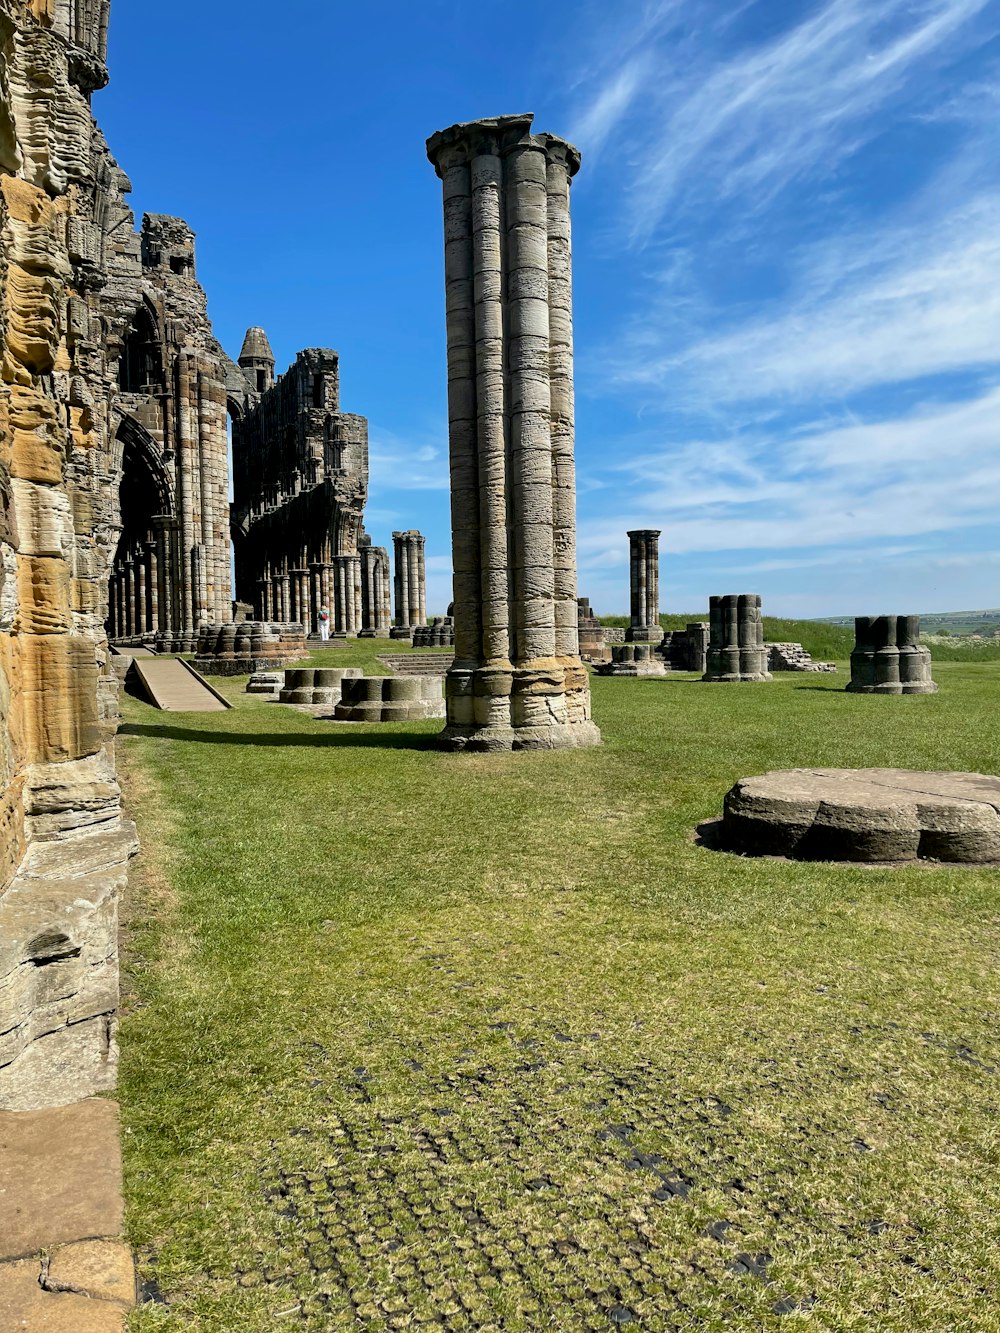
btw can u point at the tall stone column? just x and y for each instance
(152, 588)
(517, 680)
(418, 541)
(403, 627)
(161, 530)
(644, 569)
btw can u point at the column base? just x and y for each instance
(367, 634)
(644, 634)
(750, 679)
(498, 740)
(914, 687)
(402, 632)
(633, 659)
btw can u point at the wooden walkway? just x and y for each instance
(173, 685)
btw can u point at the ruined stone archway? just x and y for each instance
(141, 593)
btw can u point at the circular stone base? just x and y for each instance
(865, 814)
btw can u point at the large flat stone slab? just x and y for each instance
(60, 1177)
(27, 1307)
(868, 814)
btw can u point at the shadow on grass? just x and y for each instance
(399, 740)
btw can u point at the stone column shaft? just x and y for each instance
(517, 680)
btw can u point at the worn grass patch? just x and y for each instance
(489, 1043)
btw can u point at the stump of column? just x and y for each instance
(736, 650)
(517, 681)
(888, 657)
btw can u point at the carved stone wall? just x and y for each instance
(64, 844)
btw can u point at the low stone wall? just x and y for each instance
(793, 657)
(440, 633)
(256, 645)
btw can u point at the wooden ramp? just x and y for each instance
(173, 685)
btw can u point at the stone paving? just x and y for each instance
(63, 1266)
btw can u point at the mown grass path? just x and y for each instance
(424, 1040)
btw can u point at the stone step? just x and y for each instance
(417, 664)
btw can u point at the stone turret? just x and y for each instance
(256, 360)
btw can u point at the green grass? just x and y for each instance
(986, 650)
(826, 643)
(415, 1036)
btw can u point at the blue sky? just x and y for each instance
(786, 261)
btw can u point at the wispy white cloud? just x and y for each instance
(933, 470)
(864, 310)
(396, 463)
(713, 122)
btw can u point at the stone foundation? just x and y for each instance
(440, 633)
(888, 657)
(634, 659)
(238, 650)
(317, 687)
(390, 699)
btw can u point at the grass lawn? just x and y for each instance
(488, 1042)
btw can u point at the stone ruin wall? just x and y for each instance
(65, 845)
(113, 395)
(300, 485)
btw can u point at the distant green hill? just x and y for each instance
(960, 624)
(824, 640)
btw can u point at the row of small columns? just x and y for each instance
(140, 592)
(337, 585)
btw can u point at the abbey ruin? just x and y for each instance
(115, 522)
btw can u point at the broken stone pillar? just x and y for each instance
(409, 583)
(517, 680)
(644, 586)
(888, 657)
(736, 649)
(591, 633)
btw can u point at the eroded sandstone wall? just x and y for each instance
(64, 845)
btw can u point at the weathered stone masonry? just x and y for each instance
(174, 387)
(409, 583)
(517, 680)
(64, 844)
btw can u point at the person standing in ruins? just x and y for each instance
(324, 623)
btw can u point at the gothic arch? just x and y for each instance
(140, 366)
(141, 581)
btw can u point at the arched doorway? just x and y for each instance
(141, 593)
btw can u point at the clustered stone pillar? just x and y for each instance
(517, 680)
(374, 592)
(409, 583)
(346, 595)
(736, 650)
(888, 657)
(644, 586)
